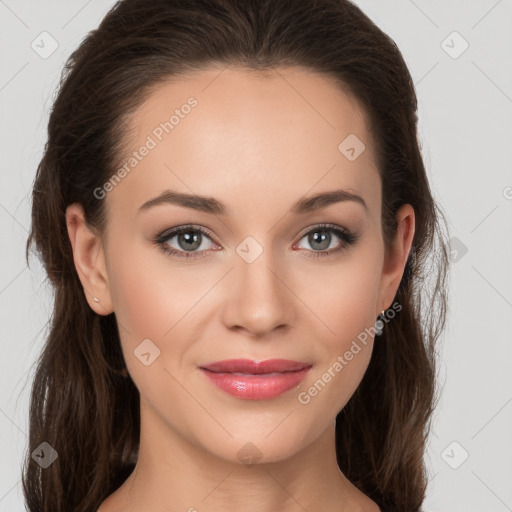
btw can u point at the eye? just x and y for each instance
(320, 238)
(190, 240)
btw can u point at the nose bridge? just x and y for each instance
(260, 301)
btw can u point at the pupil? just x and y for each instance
(325, 236)
(190, 239)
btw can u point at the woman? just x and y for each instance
(248, 263)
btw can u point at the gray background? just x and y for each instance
(466, 135)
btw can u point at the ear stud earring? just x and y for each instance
(95, 299)
(379, 324)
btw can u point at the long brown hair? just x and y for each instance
(81, 403)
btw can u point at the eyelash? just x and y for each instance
(345, 235)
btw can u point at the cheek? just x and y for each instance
(344, 351)
(155, 299)
(139, 300)
(347, 306)
(344, 296)
(148, 303)
(151, 292)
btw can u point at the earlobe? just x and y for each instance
(396, 255)
(89, 260)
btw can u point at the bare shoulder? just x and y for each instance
(111, 504)
(367, 504)
(372, 507)
(118, 500)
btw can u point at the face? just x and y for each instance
(261, 271)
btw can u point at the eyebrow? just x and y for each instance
(211, 205)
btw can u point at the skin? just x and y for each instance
(257, 143)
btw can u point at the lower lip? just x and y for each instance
(256, 387)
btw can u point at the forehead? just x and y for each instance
(221, 131)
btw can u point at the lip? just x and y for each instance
(256, 380)
(254, 367)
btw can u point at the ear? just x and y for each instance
(89, 259)
(395, 256)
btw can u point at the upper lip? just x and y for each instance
(255, 367)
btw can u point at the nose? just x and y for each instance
(259, 300)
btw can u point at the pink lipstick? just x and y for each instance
(256, 380)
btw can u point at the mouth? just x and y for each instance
(256, 380)
(253, 367)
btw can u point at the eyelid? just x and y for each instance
(321, 225)
(164, 235)
(347, 237)
(161, 238)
